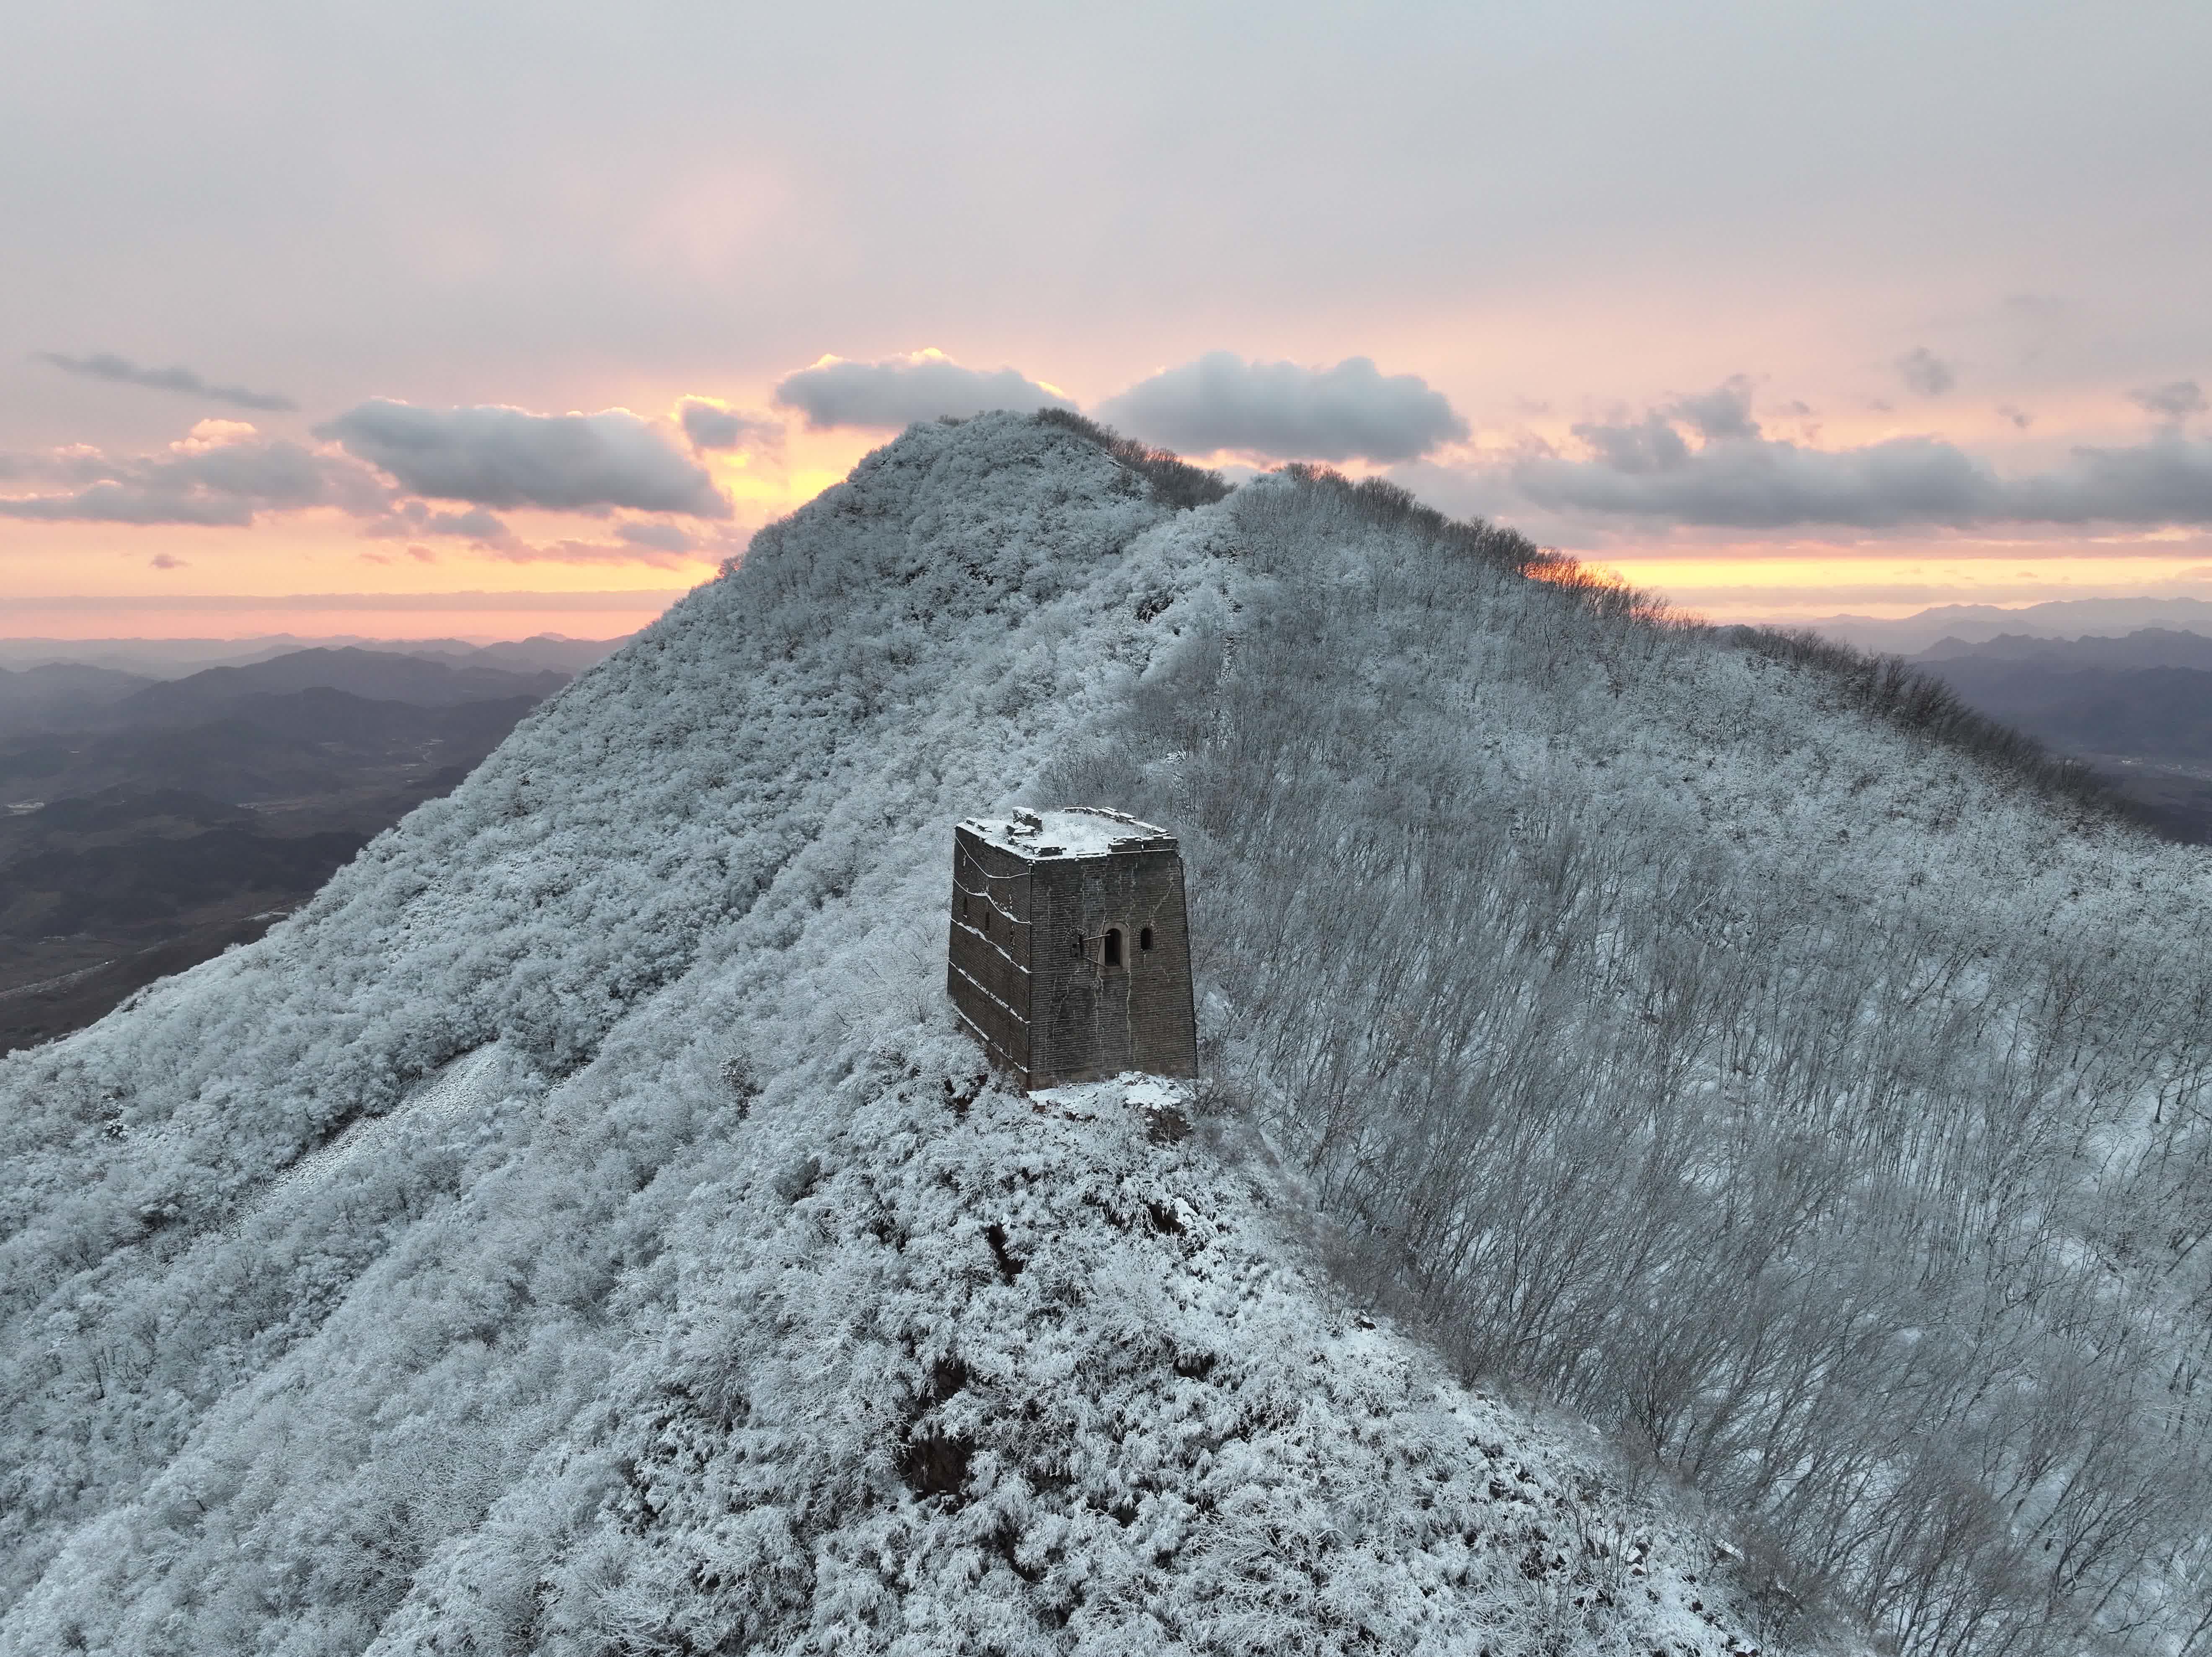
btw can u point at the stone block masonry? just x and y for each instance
(1069, 957)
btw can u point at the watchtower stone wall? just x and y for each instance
(1069, 957)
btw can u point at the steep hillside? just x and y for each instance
(578, 1230)
(1689, 1033)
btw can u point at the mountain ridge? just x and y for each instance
(374, 676)
(1006, 533)
(1662, 1029)
(2059, 618)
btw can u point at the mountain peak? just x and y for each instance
(583, 1227)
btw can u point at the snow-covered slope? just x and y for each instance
(1684, 1028)
(578, 1232)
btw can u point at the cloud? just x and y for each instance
(2176, 400)
(2167, 480)
(1286, 411)
(105, 364)
(507, 457)
(665, 537)
(411, 517)
(165, 560)
(899, 390)
(590, 552)
(1923, 371)
(1724, 411)
(711, 425)
(223, 473)
(1647, 470)
(1653, 443)
(475, 524)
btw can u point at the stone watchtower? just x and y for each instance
(1070, 959)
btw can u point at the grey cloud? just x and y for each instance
(1287, 411)
(2167, 480)
(1653, 444)
(410, 518)
(711, 425)
(1923, 371)
(1724, 411)
(1647, 471)
(508, 458)
(664, 538)
(2176, 400)
(121, 371)
(1758, 483)
(587, 552)
(475, 524)
(899, 390)
(227, 480)
(1649, 445)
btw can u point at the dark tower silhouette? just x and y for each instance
(1069, 952)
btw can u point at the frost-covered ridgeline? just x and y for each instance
(1792, 1094)
(696, 1298)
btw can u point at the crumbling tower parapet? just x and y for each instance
(1070, 951)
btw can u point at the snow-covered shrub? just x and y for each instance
(1674, 1038)
(1723, 1044)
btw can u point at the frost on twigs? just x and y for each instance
(1525, 935)
(1029, 1380)
(741, 1077)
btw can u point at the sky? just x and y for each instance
(423, 320)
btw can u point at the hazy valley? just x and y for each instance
(152, 823)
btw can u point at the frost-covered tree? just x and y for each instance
(579, 1230)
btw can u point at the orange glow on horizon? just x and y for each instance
(65, 571)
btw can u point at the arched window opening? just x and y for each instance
(964, 906)
(1078, 943)
(1145, 938)
(1113, 946)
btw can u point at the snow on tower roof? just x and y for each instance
(1073, 831)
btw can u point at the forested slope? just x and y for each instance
(1808, 1099)
(579, 1230)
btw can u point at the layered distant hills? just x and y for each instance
(2137, 707)
(2058, 618)
(150, 822)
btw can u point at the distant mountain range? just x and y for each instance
(2060, 618)
(55, 694)
(2134, 701)
(67, 695)
(2146, 647)
(173, 658)
(2157, 713)
(150, 823)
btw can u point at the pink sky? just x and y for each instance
(1781, 312)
